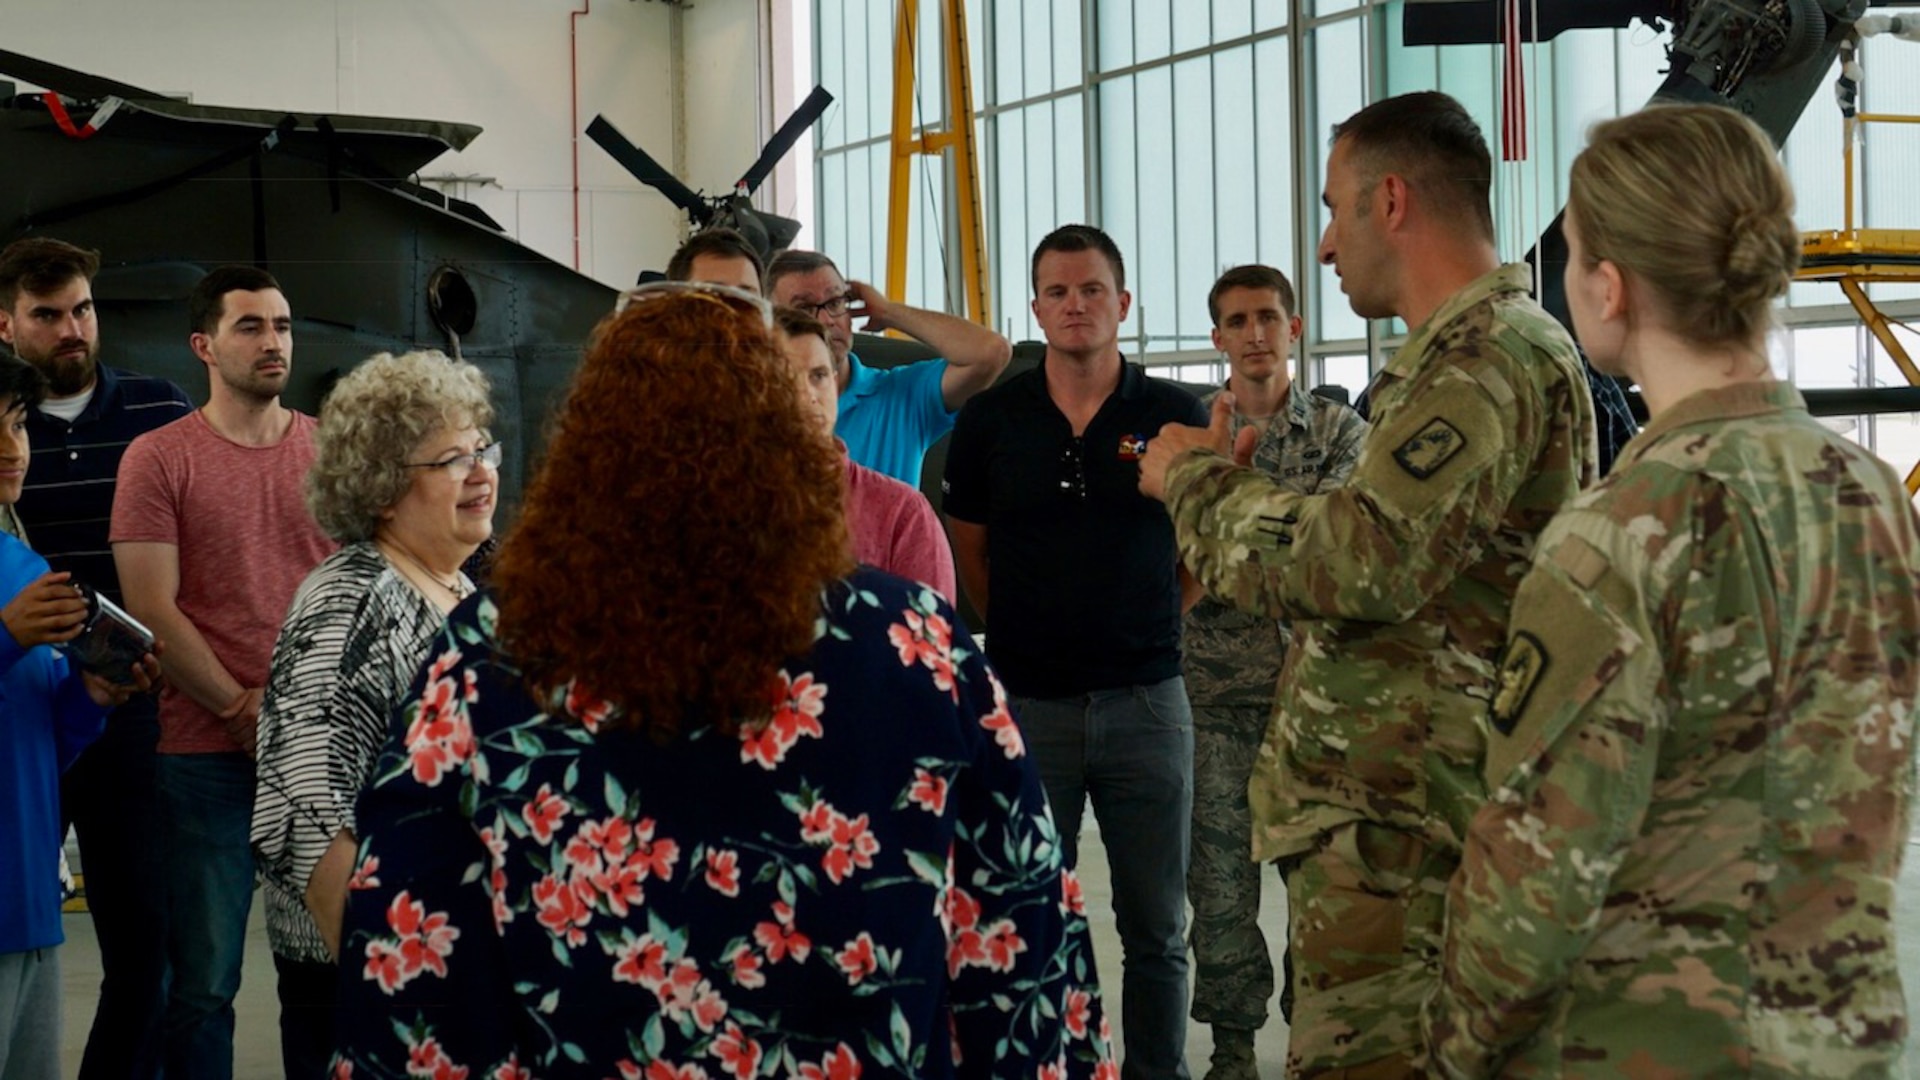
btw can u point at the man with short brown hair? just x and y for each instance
(1398, 584)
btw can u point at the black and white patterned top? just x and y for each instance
(352, 642)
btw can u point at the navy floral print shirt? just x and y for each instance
(870, 884)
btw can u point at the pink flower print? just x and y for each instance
(1072, 901)
(661, 1069)
(745, 964)
(929, 792)
(926, 640)
(562, 910)
(1079, 1008)
(1000, 721)
(839, 1065)
(642, 961)
(583, 705)
(738, 1054)
(363, 878)
(857, 959)
(1003, 943)
(543, 812)
(797, 707)
(723, 872)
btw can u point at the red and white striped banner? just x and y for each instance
(1513, 88)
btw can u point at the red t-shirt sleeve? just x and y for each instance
(145, 495)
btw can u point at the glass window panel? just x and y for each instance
(1409, 67)
(1235, 137)
(1339, 81)
(1113, 24)
(1813, 157)
(1009, 57)
(833, 197)
(1067, 59)
(880, 32)
(1269, 14)
(1890, 156)
(1329, 7)
(1896, 436)
(1155, 286)
(1273, 157)
(830, 68)
(930, 259)
(1232, 19)
(1070, 161)
(1036, 18)
(1194, 225)
(854, 92)
(1192, 25)
(930, 82)
(1119, 203)
(1643, 64)
(1038, 183)
(1152, 29)
(979, 50)
(1828, 356)
(1347, 370)
(856, 258)
(1584, 92)
(1010, 133)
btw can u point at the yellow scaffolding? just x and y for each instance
(959, 137)
(1856, 257)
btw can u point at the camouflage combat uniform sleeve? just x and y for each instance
(1701, 759)
(1345, 435)
(1582, 680)
(1426, 494)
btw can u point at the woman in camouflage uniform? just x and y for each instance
(1701, 752)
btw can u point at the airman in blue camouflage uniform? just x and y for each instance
(1398, 584)
(1701, 755)
(1307, 443)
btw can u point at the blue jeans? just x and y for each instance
(1131, 751)
(207, 800)
(110, 795)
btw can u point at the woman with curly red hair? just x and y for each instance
(688, 795)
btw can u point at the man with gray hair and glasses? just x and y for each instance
(889, 416)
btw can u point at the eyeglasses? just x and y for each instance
(1073, 468)
(461, 466)
(831, 308)
(714, 293)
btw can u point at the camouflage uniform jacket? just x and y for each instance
(1233, 657)
(1398, 584)
(1701, 758)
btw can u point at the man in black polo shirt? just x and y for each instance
(1076, 574)
(78, 433)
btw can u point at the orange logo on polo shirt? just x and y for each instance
(1133, 447)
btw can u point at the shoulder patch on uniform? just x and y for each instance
(1430, 448)
(1582, 561)
(1521, 666)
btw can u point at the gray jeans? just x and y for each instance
(1130, 751)
(30, 1015)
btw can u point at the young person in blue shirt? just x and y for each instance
(49, 712)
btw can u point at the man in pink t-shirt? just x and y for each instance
(211, 536)
(893, 526)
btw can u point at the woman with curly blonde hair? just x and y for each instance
(694, 796)
(404, 476)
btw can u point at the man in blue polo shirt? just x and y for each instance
(78, 433)
(889, 416)
(1078, 578)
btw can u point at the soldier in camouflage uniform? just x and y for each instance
(1702, 751)
(1308, 444)
(1397, 585)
